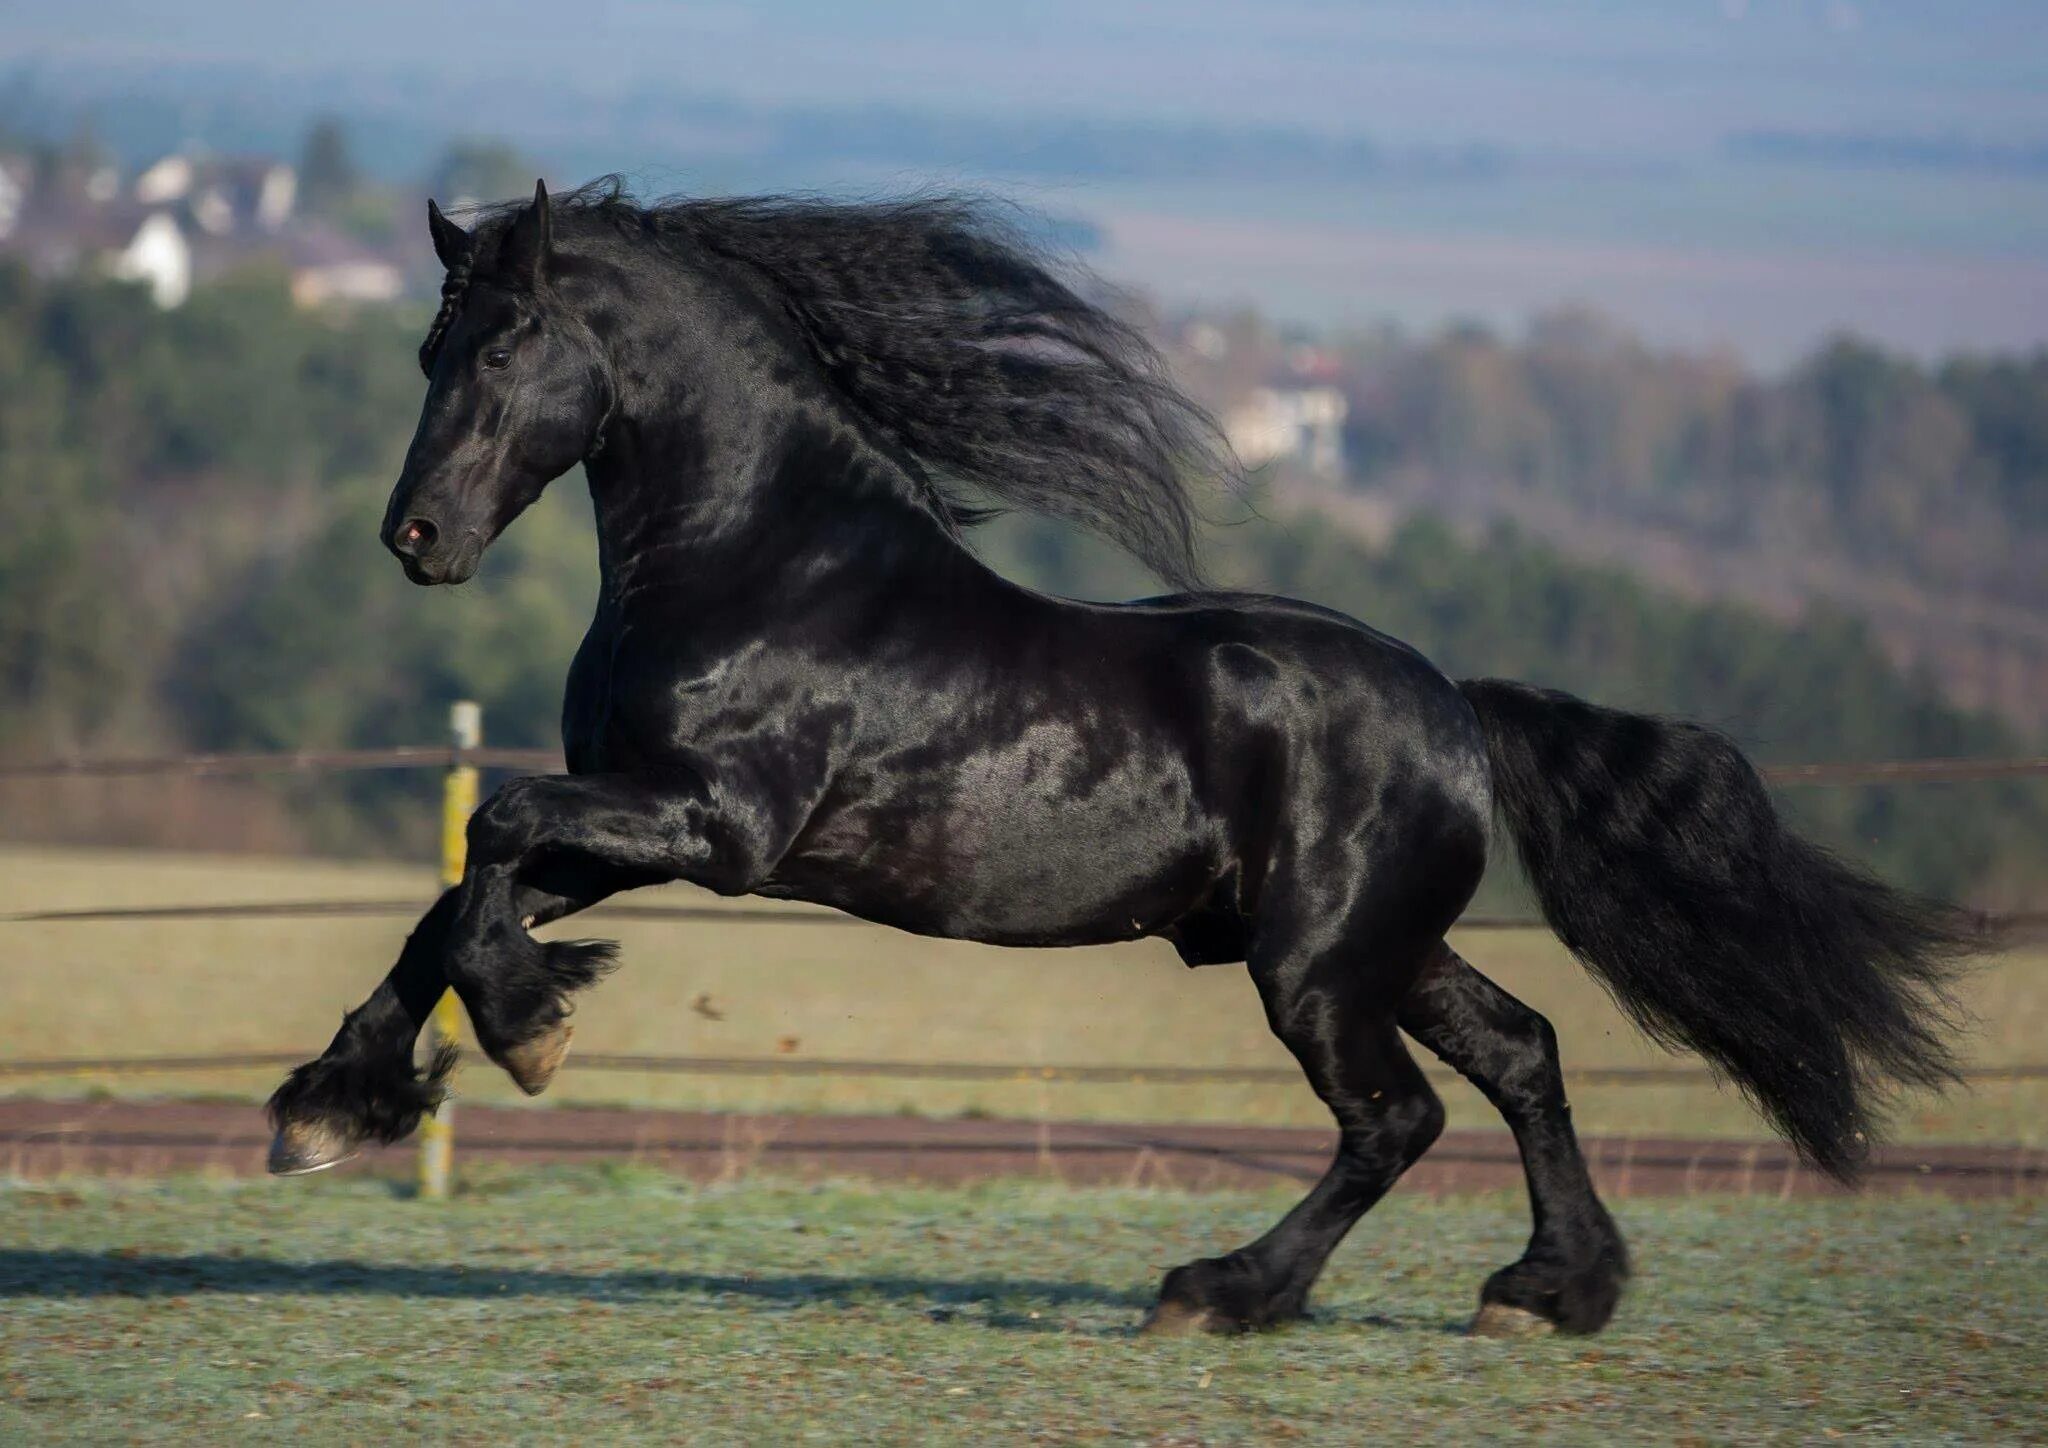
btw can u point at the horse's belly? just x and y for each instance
(1019, 846)
(1080, 901)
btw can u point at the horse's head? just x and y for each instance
(516, 396)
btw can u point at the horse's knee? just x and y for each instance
(499, 827)
(1430, 1123)
(1534, 1030)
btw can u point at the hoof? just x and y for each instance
(532, 1064)
(1497, 1319)
(308, 1146)
(1181, 1319)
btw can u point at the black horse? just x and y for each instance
(801, 684)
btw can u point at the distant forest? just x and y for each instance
(1940, 471)
(188, 505)
(1915, 495)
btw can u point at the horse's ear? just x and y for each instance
(451, 242)
(526, 244)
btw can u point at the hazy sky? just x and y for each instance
(1592, 74)
(1619, 113)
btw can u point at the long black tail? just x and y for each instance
(1661, 864)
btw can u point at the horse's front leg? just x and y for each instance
(540, 848)
(364, 1086)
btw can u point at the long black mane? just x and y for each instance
(952, 333)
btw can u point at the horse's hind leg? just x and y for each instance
(1572, 1273)
(1334, 1007)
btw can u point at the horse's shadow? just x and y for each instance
(1019, 1303)
(73, 1274)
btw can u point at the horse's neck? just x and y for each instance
(676, 507)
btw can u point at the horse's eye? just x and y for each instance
(498, 357)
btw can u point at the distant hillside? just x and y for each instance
(1914, 496)
(188, 507)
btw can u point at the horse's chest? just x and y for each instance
(638, 699)
(586, 701)
(625, 704)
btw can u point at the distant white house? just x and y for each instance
(188, 219)
(16, 176)
(157, 255)
(1206, 340)
(165, 181)
(222, 194)
(240, 210)
(1304, 425)
(119, 239)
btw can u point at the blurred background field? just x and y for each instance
(803, 992)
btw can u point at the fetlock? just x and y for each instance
(520, 1003)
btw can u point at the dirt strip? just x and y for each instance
(126, 1138)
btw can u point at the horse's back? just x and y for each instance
(1333, 689)
(1343, 774)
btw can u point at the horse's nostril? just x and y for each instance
(416, 536)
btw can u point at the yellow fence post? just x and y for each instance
(444, 1027)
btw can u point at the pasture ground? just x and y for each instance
(567, 1305)
(800, 991)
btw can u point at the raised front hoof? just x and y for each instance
(533, 1064)
(301, 1147)
(1220, 1295)
(1497, 1319)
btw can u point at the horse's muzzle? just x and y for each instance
(428, 556)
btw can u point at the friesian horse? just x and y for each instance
(800, 683)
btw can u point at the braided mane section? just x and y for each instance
(453, 285)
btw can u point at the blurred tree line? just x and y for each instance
(1935, 473)
(188, 508)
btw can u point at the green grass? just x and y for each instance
(598, 1305)
(798, 991)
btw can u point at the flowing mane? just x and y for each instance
(949, 331)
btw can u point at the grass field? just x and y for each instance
(798, 991)
(588, 1306)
